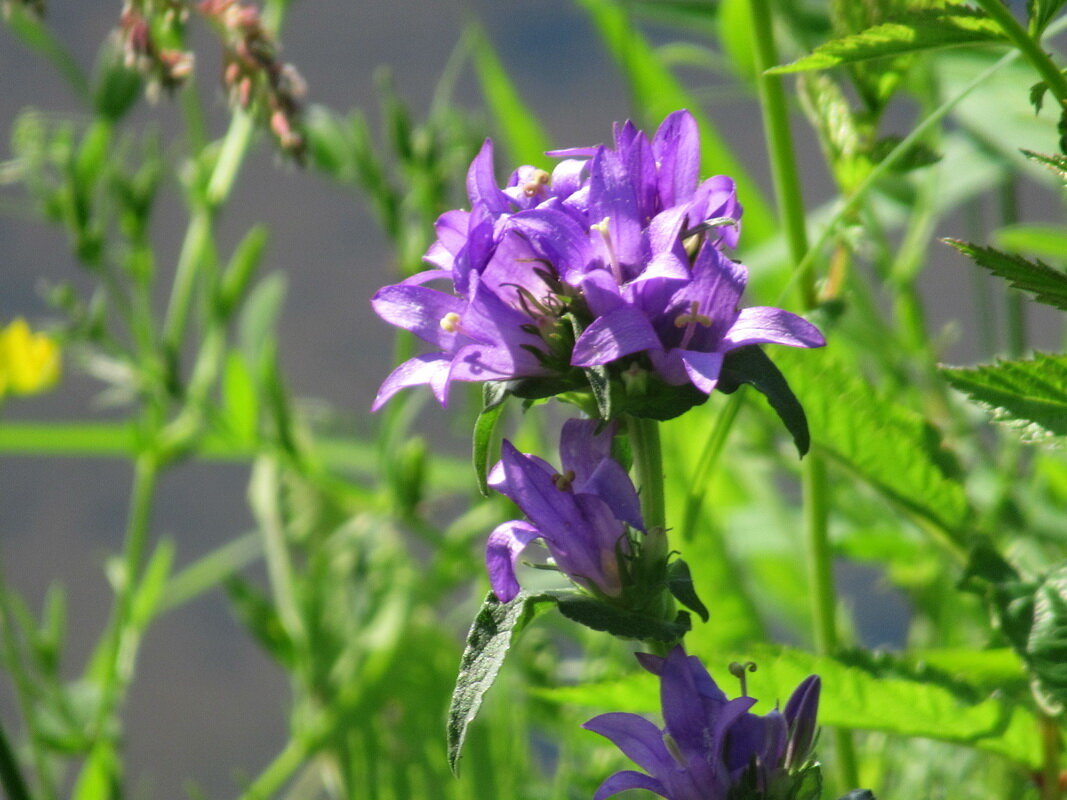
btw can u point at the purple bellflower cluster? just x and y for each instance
(584, 514)
(613, 263)
(712, 748)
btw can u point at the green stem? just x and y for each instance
(1052, 751)
(648, 464)
(1028, 46)
(10, 775)
(709, 457)
(791, 212)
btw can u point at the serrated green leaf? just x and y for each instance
(920, 33)
(521, 133)
(887, 445)
(494, 394)
(1045, 240)
(752, 366)
(680, 583)
(1056, 162)
(657, 93)
(602, 617)
(851, 698)
(1047, 646)
(1030, 395)
(1048, 285)
(488, 642)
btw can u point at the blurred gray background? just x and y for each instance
(206, 705)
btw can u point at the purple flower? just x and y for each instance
(614, 263)
(581, 513)
(710, 746)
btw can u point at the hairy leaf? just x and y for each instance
(752, 366)
(921, 32)
(488, 643)
(680, 582)
(1030, 395)
(1047, 647)
(1056, 162)
(1048, 285)
(886, 444)
(851, 698)
(621, 622)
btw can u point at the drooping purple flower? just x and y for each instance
(710, 745)
(581, 513)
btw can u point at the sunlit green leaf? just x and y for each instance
(1030, 395)
(1047, 647)
(918, 34)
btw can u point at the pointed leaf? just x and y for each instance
(600, 616)
(1030, 395)
(494, 393)
(1047, 647)
(752, 366)
(1056, 162)
(1041, 12)
(680, 582)
(1048, 285)
(488, 643)
(921, 32)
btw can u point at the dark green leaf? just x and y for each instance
(752, 366)
(663, 401)
(260, 617)
(915, 157)
(1040, 13)
(488, 643)
(1048, 285)
(680, 582)
(921, 32)
(1047, 646)
(600, 386)
(10, 775)
(494, 393)
(623, 623)
(1030, 395)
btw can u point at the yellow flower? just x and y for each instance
(29, 362)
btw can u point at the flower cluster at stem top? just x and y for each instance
(615, 261)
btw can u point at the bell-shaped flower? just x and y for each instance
(710, 746)
(583, 514)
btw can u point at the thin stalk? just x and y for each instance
(1052, 750)
(709, 457)
(792, 215)
(1028, 46)
(648, 464)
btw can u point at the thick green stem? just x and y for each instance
(1029, 47)
(648, 463)
(791, 212)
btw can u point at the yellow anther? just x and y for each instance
(450, 322)
(538, 180)
(692, 317)
(563, 482)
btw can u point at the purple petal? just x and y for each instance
(481, 182)
(768, 325)
(581, 448)
(717, 197)
(573, 152)
(640, 740)
(612, 484)
(567, 176)
(800, 714)
(502, 552)
(413, 372)
(601, 292)
(555, 237)
(451, 228)
(426, 276)
(677, 150)
(702, 368)
(625, 330)
(682, 707)
(628, 779)
(613, 196)
(419, 310)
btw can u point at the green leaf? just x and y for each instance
(600, 616)
(1039, 239)
(488, 642)
(886, 444)
(521, 133)
(1056, 162)
(494, 393)
(99, 776)
(1048, 285)
(1030, 395)
(1047, 647)
(244, 263)
(600, 386)
(11, 779)
(240, 400)
(657, 93)
(680, 583)
(151, 585)
(752, 366)
(851, 698)
(1040, 13)
(922, 32)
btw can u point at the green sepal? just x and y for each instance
(494, 393)
(1046, 647)
(680, 583)
(600, 616)
(752, 366)
(488, 642)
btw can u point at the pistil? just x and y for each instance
(605, 234)
(689, 321)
